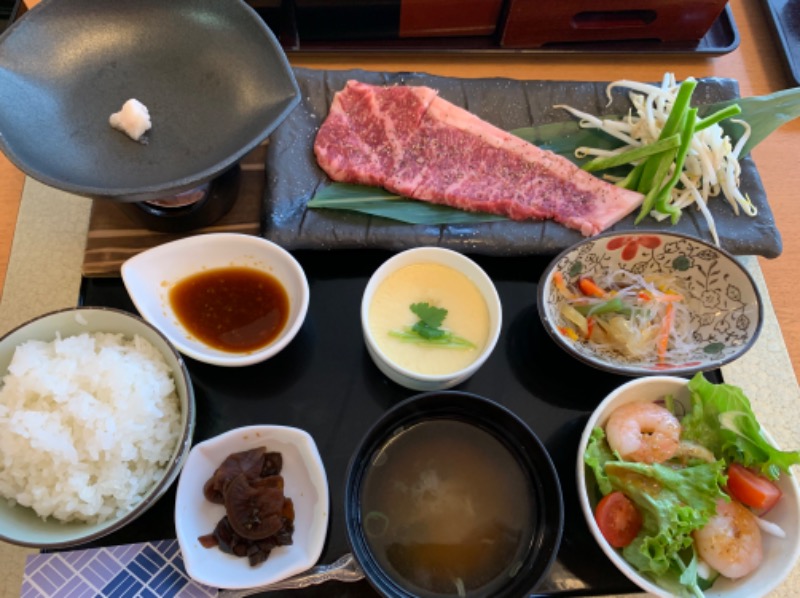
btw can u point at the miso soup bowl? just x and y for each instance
(540, 542)
(401, 374)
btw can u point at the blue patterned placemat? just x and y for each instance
(147, 570)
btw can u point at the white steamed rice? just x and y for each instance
(87, 425)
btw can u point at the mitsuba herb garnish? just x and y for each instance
(428, 329)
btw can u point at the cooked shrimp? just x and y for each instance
(731, 541)
(643, 432)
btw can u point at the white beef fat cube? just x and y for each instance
(133, 119)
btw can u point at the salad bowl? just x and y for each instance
(779, 553)
(716, 307)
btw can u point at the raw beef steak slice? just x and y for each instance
(413, 143)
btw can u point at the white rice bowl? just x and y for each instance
(94, 425)
(87, 425)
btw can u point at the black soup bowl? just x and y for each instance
(452, 494)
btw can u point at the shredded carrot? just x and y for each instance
(666, 328)
(568, 332)
(664, 297)
(588, 287)
(558, 280)
(589, 327)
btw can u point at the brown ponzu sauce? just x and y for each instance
(258, 517)
(234, 309)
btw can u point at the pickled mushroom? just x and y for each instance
(254, 506)
(249, 463)
(258, 517)
(254, 463)
(273, 464)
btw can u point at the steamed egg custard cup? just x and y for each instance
(21, 525)
(780, 554)
(305, 483)
(150, 275)
(461, 265)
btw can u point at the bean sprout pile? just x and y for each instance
(678, 158)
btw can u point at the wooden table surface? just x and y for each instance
(756, 64)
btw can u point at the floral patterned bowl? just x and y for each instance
(722, 299)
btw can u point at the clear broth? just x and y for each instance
(447, 510)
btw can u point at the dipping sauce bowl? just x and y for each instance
(154, 277)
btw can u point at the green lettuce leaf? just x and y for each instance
(723, 421)
(673, 503)
(596, 456)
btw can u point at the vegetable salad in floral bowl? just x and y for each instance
(685, 492)
(650, 303)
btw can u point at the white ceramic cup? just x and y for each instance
(452, 259)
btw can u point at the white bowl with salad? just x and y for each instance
(649, 302)
(684, 491)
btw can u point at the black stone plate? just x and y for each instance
(293, 175)
(212, 74)
(8, 12)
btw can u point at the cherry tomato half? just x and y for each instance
(618, 519)
(752, 489)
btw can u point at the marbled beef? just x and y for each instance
(413, 143)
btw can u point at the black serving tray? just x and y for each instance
(784, 16)
(325, 383)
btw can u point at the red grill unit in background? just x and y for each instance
(508, 25)
(444, 18)
(532, 23)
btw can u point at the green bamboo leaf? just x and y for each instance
(764, 114)
(379, 202)
(564, 137)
